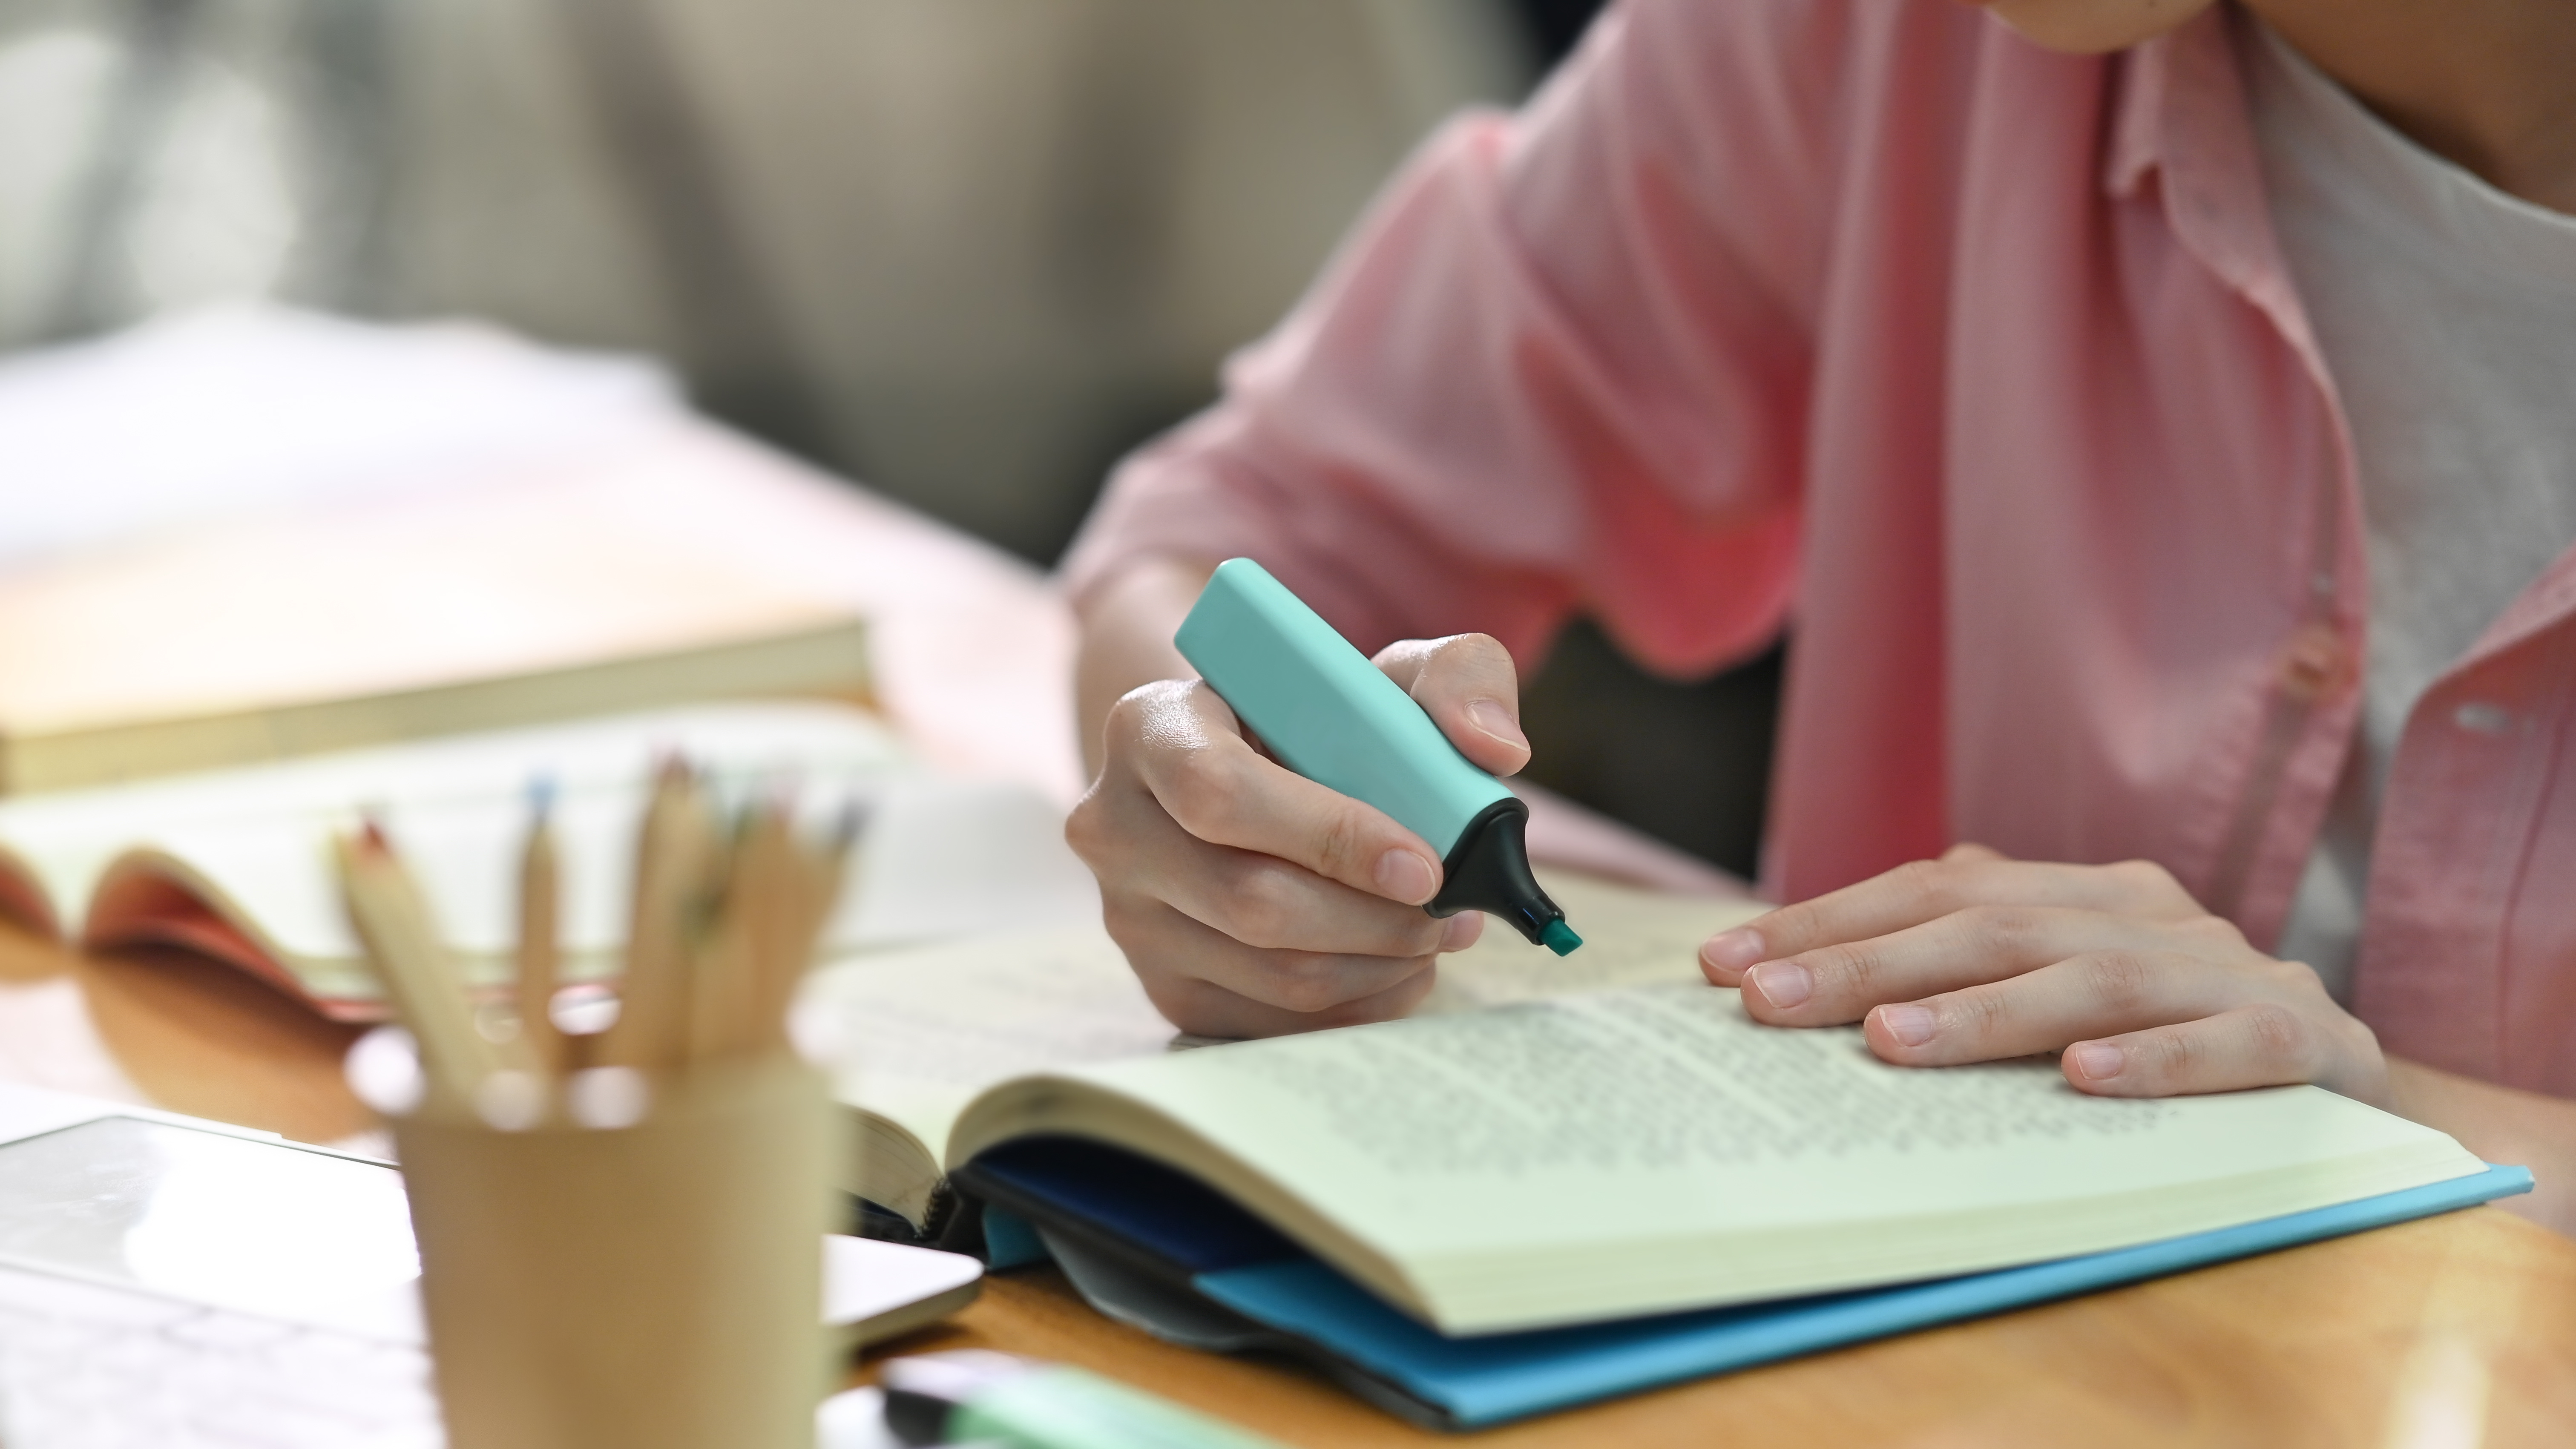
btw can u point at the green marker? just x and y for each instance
(1328, 714)
(977, 1396)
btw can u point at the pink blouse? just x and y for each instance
(1977, 362)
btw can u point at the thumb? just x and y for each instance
(1469, 687)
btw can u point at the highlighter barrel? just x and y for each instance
(1327, 713)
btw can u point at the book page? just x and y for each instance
(920, 1032)
(925, 1030)
(1653, 1146)
(1631, 937)
(1665, 1080)
(929, 1028)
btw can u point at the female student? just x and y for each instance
(2157, 420)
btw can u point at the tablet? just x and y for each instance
(306, 1234)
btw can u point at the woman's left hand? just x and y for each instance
(1976, 957)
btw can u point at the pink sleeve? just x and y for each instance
(1561, 364)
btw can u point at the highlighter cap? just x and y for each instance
(1325, 711)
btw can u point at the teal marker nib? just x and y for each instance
(1560, 938)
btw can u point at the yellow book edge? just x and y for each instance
(830, 659)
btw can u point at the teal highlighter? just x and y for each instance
(1328, 714)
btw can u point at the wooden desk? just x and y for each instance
(2456, 1331)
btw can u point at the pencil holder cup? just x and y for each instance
(651, 1286)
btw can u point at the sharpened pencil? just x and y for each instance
(721, 1000)
(810, 886)
(540, 950)
(721, 930)
(401, 939)
(675, 853)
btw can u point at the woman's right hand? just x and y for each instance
(1252, 901)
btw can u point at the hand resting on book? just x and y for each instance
(1976, 957)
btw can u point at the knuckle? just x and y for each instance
(1976, 1013)
(2215, 930)
(2279, 1035)
(1425, 933)
(1784, 928)
(1854, 970)
(2149, 886)
(1383, 1006)
(1302, 982)
(1404, 655)
(2119, 981)
(1343, 846)
(1930, 883)
(1199, 791)
(1416, 932)
(1259, 908)
(1443, 650)
(1462, 666)
(1087, 831)
(2142, 873)
(1187, 1003)
(1131, 929)
(1480, 653)
(2175, 1054)
(1144, 716)
(2296, 978)
(2003, 930)
(1126, 721)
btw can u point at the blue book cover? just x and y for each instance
(1155, 1248)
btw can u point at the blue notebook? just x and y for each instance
(1154, 1247)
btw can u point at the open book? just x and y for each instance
(926, 1030)
(1647, 1148)
(235, 863)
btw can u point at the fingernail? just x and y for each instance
(1462, 930)
(1734, 950)
(2098, 1061)
(1407, 877)
(1782, 983)
(1494, 720)
(1911, 1025)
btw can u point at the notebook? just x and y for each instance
(1159, 1250)
(234, 863)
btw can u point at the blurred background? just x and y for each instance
(967, 251)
